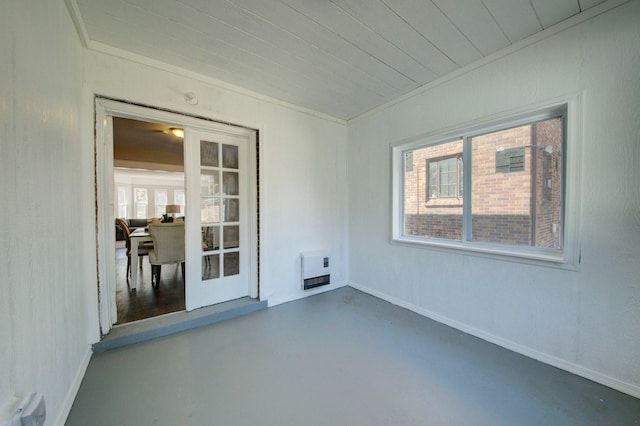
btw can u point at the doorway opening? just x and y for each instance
(149, 186)
(217, 208)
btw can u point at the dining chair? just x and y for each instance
(168, 248)
(143, 248)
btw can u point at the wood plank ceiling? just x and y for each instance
(338, 57)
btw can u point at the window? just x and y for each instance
(497, 188)
(178, 198)
(122, 202)
(141, 201)
(445, 178)
(160, 202)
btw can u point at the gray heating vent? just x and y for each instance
(317, 281)
(315, 269)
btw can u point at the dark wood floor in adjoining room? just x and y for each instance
(147, 301)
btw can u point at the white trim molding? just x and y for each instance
(67, 403)
(579, 370)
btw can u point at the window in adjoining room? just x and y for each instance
(141, 201)
(122, 202)
(178, 199)
(160, 197)
(497, 187)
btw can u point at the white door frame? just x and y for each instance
(105, 109)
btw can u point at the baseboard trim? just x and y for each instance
(603, 379)
(273, 301)
(73, 389)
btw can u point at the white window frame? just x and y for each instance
(123, 203)
(569, 256)
(138, 204)
(179, 199)
(160, 209)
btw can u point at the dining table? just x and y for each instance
(140, 235)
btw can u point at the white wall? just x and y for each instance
(46, 191)
(302, 163)
(585, 321)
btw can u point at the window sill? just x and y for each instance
(444, 202)
(548, 258)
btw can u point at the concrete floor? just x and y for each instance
(339, 358)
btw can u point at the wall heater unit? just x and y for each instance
(315, 269)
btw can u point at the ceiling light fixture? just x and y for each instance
(179, 133)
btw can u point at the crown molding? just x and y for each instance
(533, 39)
(78, 22)
(74, 12)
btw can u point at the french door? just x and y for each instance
(220, 167)
(218, 227)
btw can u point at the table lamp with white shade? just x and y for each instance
(171, 210)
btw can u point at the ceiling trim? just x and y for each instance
(87, 43)
(548, 32)
(74, 11)
(78, 22)
(103, 48)
(163, 66)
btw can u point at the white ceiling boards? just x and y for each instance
(338, 57)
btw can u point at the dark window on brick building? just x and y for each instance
(445, 177)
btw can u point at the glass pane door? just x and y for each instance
(218, 253)
(219, 209)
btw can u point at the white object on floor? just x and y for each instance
(28, 411)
